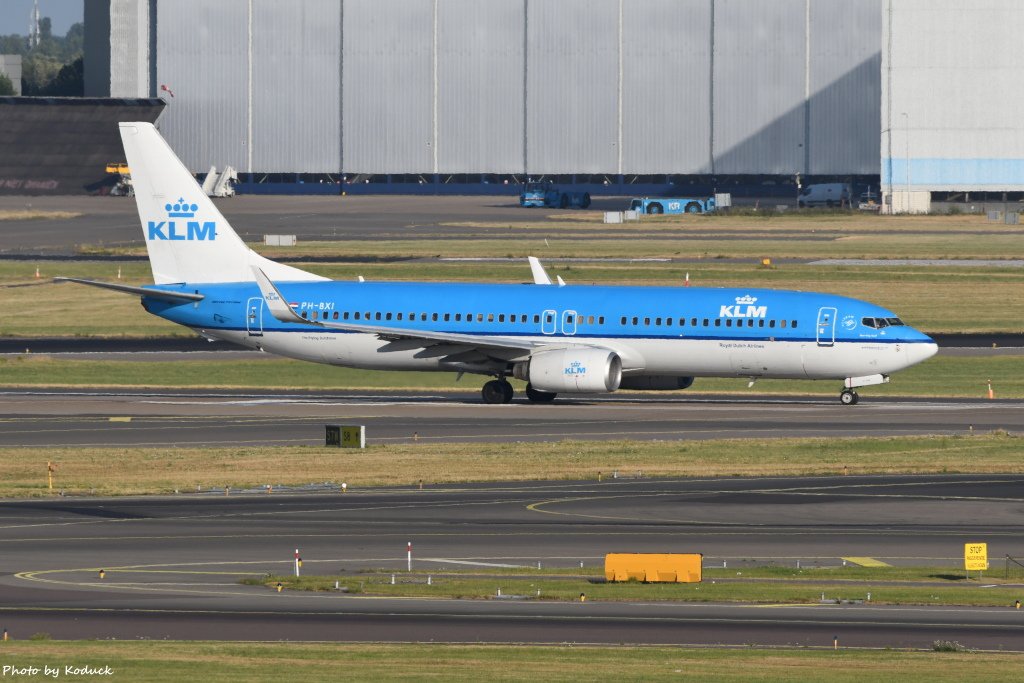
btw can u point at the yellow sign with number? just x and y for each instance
(975, 556)
(353, 437)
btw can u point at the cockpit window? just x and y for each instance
(879, 323)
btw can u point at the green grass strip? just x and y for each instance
(210, 662)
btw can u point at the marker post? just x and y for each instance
(408, 559)
(298, 562)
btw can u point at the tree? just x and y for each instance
(6, 86)
(69, 81)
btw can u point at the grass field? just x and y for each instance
(159, 662)
(124, 471)
(953, 376)
(882, 586)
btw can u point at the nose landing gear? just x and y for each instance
(497, 391)
(849, 397)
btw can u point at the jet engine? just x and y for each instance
(574, 370)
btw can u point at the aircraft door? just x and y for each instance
(569, 322)
(548, 322)
(826, 330)
(254, 316)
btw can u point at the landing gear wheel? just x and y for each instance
(497, 391)
(849, 397)
(539, 396)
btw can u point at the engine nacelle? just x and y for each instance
(656, 383)
(578, 370)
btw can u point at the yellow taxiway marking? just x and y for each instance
(120, 419)
(866, 562)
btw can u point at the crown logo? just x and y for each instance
(181, 209)
(746, 299)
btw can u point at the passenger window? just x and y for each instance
(344, 316)
(657, 321)
(304, 315)
(458, 317)
(536, 318)
(434, 317)
(622, 321)
(705, 322)
(377, 316)
(636, 320)
(490, 317)
(728, 322)
(782, 323)
(523, 318)
(568, 319)
(357, 315)
(447, 317)
(760, 323)
(600, 320)
(423, 317)
(548, 317)
(693, 322)
(387, 317)
(335, 316)
(668, 322)
(647, 321)
(793, 324)
(479, 317)
(590, 320)
(718, 322)
(750, 323)
(771, 323)
(398, 316)
(501, 317)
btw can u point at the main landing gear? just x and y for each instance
(500, 391)
(497, 391)
(849, 397)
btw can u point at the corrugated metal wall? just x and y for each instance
(951, 96)
(572, 86)
(513, 86)
(203, 57)
(666, 86)
(296, 92)
(480, 66)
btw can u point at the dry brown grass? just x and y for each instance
(118, 471)
(29, 214)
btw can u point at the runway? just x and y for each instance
(173, 563)
(73, 417)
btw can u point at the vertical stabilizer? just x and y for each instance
(187, 238)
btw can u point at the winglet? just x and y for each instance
(279, 308)
(561, 282)
(540, 276)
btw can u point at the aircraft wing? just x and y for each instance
(280, 309)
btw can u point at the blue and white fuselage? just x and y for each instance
(559, 338)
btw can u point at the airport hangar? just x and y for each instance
(463, 95)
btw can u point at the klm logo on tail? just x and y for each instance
(174, 231)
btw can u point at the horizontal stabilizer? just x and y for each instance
(163, 294)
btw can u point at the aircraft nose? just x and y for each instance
(917, 353)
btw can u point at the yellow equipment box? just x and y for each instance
(653, 567)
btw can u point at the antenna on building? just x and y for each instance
(33, 25)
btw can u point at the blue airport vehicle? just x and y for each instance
(544, 193)
(660, 205)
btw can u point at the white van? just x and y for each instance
(825, 194)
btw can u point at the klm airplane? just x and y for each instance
(559, 338)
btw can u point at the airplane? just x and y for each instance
(560, 338)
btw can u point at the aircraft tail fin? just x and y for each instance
(187, 237)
